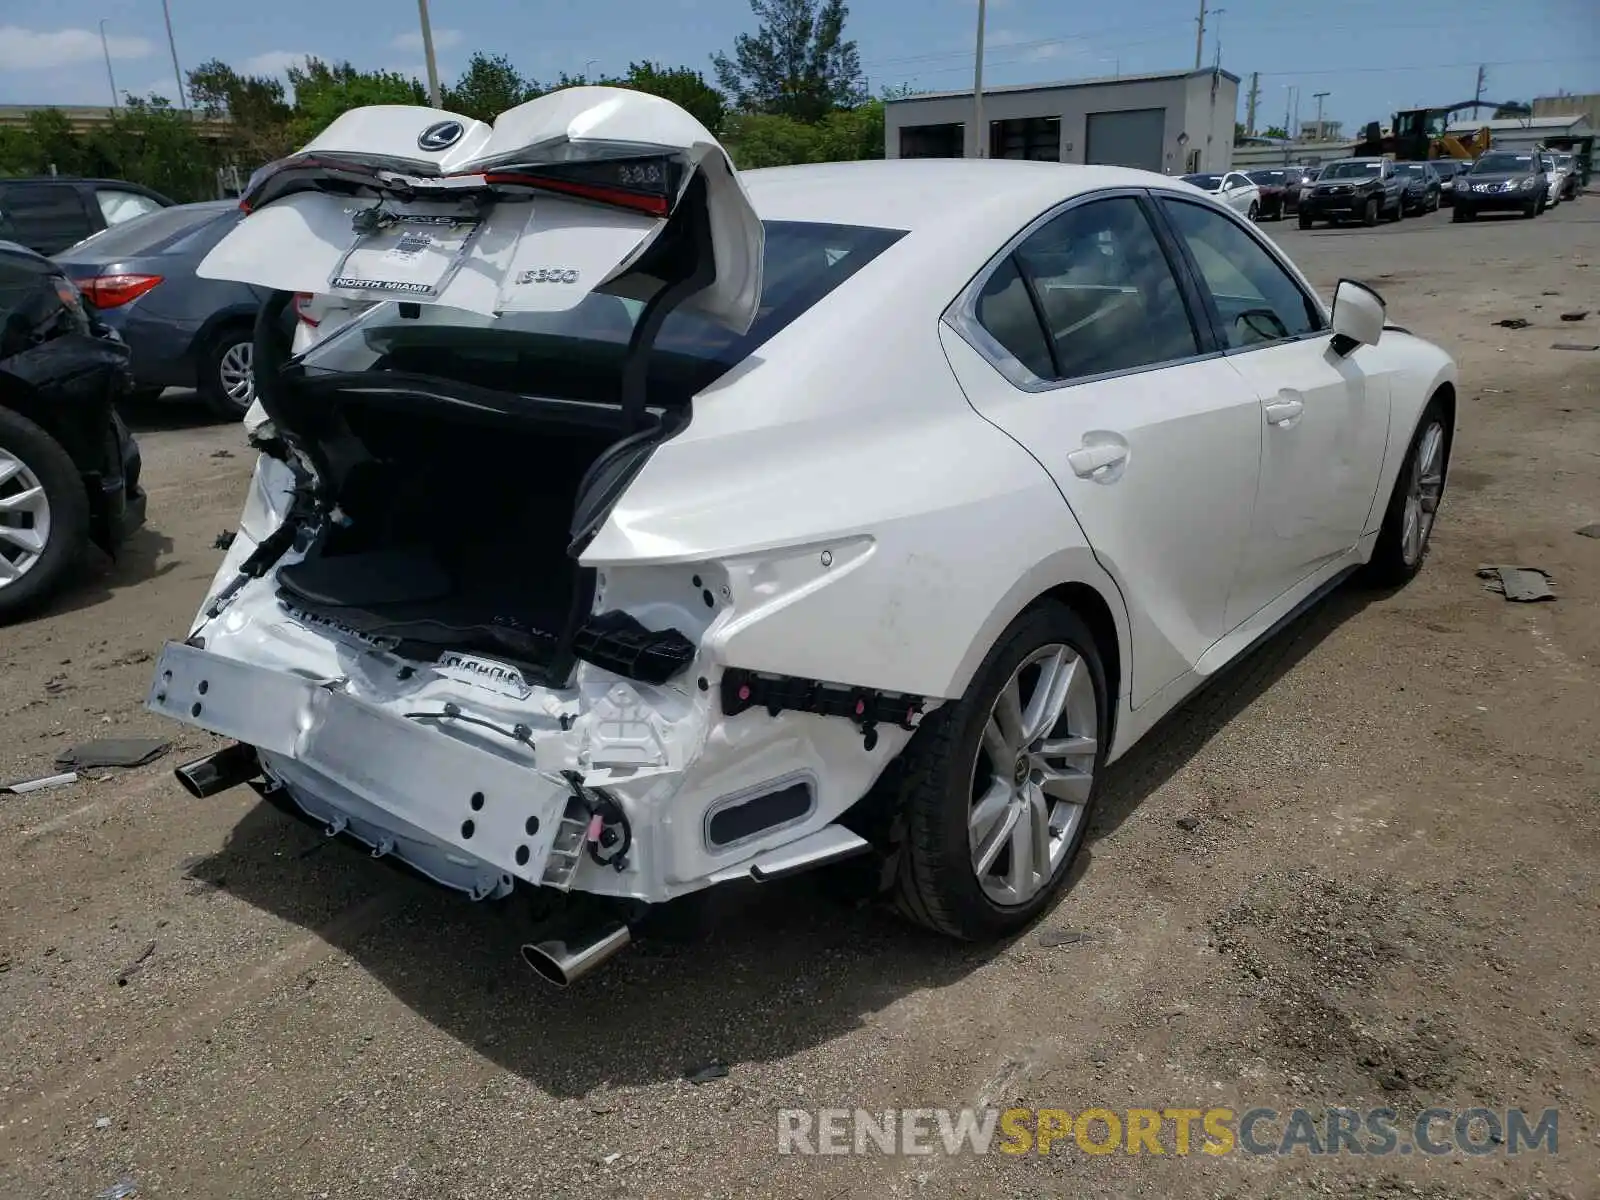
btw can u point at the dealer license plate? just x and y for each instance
(417, 255)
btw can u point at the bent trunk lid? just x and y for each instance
(556, 198)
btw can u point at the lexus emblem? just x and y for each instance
(441, 136)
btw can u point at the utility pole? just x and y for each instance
(1250, 103)
(177, 72)
(1483, 78)
(1200, 35)
(1319, 96)
(980, 147)
(1216, 62)
(105, 47)
(427, 54)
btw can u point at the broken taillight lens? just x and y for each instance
(302, 309)
(113, 291)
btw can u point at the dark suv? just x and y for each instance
(69, 468)
(49, 213)
(1503, 181)
(1355, 189)
(1423, 186)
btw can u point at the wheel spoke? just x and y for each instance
(1049, 697)
(1019, 876)
(983, 856)
(1039, 818)
(23, 539)
(8, 467)
(1067, 783)
(25, 501)
(1001, 752)
(1008, 712)
(8, 571)
(987, 812)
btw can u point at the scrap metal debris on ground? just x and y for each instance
(1518, 583)
(1590, 530)
(137, 965)
(1575, 316)
(113, 752)
(1514, 323)
(1051, 938)
(1573, 346)
(705, 1074)
(23, 786)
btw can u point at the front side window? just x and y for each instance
(1256, 298)
(46, 217)
(1099, 282)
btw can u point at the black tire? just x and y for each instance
(1433, 203)
(1255, 211)
(64, 490)
(1388, 566)
(1399, 210)
(1369, 214)
(1457, 216)
(1305, 221)
(1532, 211)
(213, 389)
(934, 882)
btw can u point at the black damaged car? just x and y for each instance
(69, 468)
(1355, 189)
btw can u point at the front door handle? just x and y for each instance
(1090, 462)
(1284, 412)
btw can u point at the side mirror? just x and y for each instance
(1357, 317)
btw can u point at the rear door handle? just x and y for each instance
(1283, 412)
(1091, 461)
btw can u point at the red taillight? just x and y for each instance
(112, 291)
(656, 206)
(302, 301)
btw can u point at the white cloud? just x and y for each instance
(29, 49)
(443, 39)
(273, 62)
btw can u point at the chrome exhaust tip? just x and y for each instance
(228, 767)
(568, 957)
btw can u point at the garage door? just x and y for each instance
(1126, 139)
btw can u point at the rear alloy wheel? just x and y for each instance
(44, 514)
(227, 380)
(1255, 211)
(1414, 504)
(1369, 214)
(997, 788)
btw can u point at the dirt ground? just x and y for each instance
(1360, 871)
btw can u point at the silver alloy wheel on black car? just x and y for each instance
(1032, 774)
(24, 518)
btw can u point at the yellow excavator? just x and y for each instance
(1419, 134)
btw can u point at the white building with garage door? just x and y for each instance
(1174, 122)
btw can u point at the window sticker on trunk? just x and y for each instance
(408, 254)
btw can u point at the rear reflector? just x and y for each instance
(302, 301)
(113, 291)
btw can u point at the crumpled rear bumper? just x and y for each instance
(466, 817)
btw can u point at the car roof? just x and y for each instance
(982, 195)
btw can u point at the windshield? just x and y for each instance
(1414, 170)
(153, 233)
(1269, 177)
(1351, 170)
(1503, 164)
(1208, 183)
(571, 355)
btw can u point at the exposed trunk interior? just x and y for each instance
(451, 534)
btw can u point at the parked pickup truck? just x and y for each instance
(1355, 189)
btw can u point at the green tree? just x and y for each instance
(148, 141)
(797, 64)
(686, 88)
(324, 92)
(1275, 131)
(256, 107)
(488, 87)
(46, 140)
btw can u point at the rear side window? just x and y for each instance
(46, 217)
(1105, 292)
(117, 206)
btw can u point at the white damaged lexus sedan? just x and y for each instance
(652, 525)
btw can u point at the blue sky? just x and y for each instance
(1371, 56)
